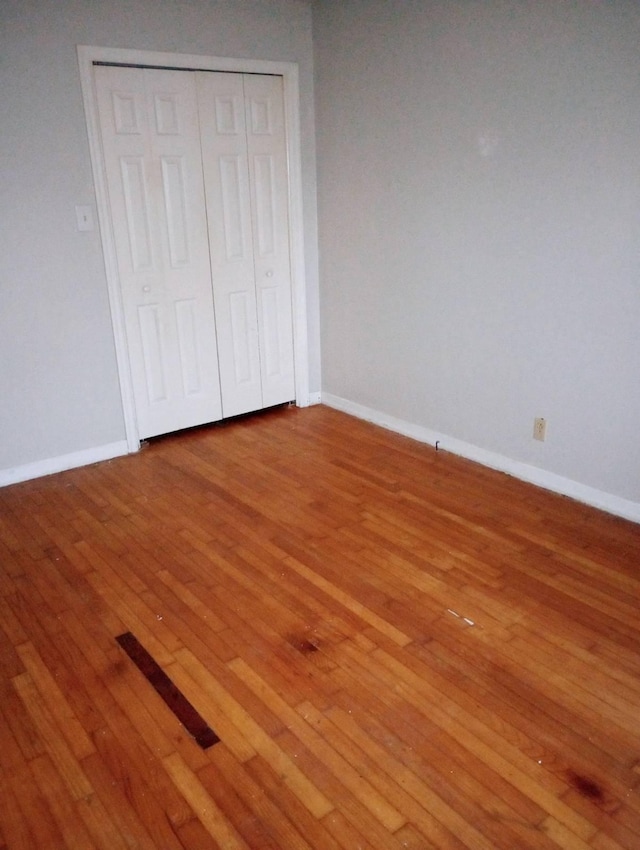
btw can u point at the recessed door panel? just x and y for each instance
(270, 350)
(151, 340)
(166, 112)
(132, 170)
(127, 112)
(240, 307)
(261, 113)
(175, 205)
(236, 239)
(228, 109)
(190, 357)
(265, 212)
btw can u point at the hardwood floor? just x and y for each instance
(396, 647)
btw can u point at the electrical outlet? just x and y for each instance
(539, 428)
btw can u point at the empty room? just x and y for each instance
(319, 456)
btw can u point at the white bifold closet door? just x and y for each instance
(196, 172)
(245, 170)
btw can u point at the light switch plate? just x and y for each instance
(84, 217)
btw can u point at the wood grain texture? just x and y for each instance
(397, 648)
(195, 725)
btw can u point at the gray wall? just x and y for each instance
(59, 391)
(479, 213)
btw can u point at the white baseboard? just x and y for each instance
(48, 466)
(315, 398)
(533, 474)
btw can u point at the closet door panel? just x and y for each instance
(268, 181)
(151, 144)
(226, 175)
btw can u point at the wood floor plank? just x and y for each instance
(330, 756)
(118, 803)
(529, 709)
(506, 811)
(247, 806)
(466, 784)
(315, 830)
(413, 799)
(72, 828)
(194, 834)
(255, 735)
(35, 811)
(613, 824)
(62, 714)
(130, 764)
(197, 681)
(398, 649)
(350, 603)
(356, 812)
(213, 820)
(548, 738)
(56, 746)
(474, 735)
(16, 833)
(109, 694)
(350, 834)
(101, 826)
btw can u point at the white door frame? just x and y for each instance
(87, 56)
